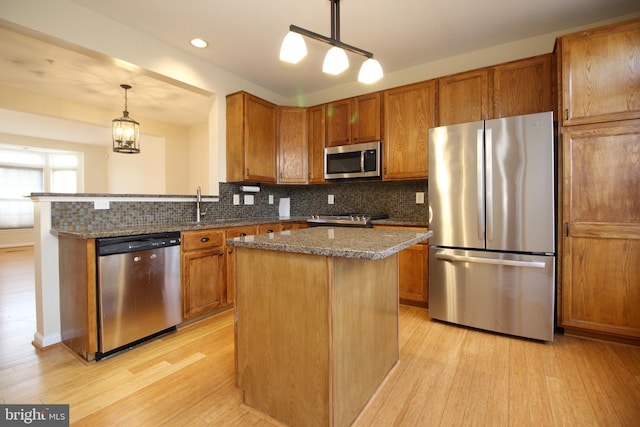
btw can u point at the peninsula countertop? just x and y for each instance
(347, 242)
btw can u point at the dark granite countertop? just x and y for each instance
(188, 226)
(401, 222)
(80, 233)
(348, 242)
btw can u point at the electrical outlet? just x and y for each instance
(420, 198)
(236, 199)
(248, 199)
(330, 199)
(100, 204)
(270, 199)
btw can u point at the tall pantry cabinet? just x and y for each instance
(599, 161)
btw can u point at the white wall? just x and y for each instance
(141, 173)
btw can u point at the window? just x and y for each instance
(27, 171)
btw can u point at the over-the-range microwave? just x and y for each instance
(353, 161)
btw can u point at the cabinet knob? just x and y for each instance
(220, 253)
(243, 234)
(204, 239)
(230, 251)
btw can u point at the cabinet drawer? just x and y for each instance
(194, 240)
(401, 227)
(248, 230)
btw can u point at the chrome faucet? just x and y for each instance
(199, 213)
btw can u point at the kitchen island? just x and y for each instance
(317, 320)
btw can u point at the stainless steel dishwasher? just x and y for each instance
(139, 295)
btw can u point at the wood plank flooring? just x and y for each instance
(447, 375)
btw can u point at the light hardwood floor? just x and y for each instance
(447, 375)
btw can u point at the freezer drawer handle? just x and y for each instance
(460, 258)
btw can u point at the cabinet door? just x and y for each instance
(601, 243)
(522, 87)
(464, 97)
(292, 145)
(251, 139)
(260, 140)
(365, 123)
(316, 138)
(338, 123)
(203, 281)
(413, 270)
(409, 112)
(230, 260)
(601, 74)
(413, 275)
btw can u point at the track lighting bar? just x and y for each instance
(329, 40)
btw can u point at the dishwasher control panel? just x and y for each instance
(141, 242)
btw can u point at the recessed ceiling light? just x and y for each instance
(199, 43)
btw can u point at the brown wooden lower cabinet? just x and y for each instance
(315, 335)
(202, 268)
(230, 259)
(600, 258)
(413, 271)
(269, 228)
(78, 309)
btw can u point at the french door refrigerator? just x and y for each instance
(492, 214)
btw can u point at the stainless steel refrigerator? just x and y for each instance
(492, 211)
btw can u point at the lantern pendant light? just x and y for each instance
(125, 131)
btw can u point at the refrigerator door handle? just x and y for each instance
(480, 180)
(510, 263)
(489, 184)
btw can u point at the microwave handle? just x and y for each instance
(362, 153)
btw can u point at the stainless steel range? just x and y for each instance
(362, 220)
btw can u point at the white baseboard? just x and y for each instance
(43, 342)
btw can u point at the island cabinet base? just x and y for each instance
(315, 335)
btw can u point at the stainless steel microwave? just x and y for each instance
(353, 161)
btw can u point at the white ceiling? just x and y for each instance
(245, 38)
(245, 35)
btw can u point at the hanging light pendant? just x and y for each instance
(125, 131)
(293, 49)
(336, 61)
(370, 72)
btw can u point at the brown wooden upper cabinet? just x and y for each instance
(354, 120)
(522, 87)
(292, 145)
(316, 141)
(600, 74)
(409, 112)
(465, 97)
(505, 90)
(251, 139)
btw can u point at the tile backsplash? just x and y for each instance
(398, 199)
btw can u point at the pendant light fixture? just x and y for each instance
(293, 49)
(125, 130)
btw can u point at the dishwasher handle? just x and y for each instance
(506, 262)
